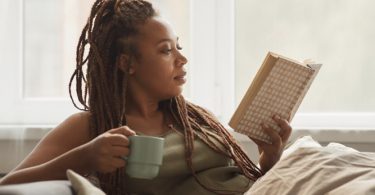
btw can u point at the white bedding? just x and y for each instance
(308, 168)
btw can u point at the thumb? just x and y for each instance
(124, 130)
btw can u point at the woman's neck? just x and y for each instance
(146, 116)
(142, 107)
(155, 125)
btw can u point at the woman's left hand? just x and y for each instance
(271, 153)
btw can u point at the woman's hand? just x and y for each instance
(271, 153)
(106, 152)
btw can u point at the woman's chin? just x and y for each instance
(175, 94)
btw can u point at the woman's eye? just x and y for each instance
(167, 51)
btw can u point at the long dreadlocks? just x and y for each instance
(109, 31)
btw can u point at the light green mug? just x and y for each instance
(146, 156)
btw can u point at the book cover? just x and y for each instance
(278, 88)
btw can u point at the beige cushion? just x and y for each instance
(334, 169)
(60, 187)
(302, 142)
(81, 185)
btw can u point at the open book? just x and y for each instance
(278, 88)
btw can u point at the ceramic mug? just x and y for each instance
(146, 156)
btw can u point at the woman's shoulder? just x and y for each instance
(77, 124)
(79, 120)
(70, 133)
(82, 118)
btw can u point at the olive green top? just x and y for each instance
(213, 169)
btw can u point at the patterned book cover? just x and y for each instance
(278, 88)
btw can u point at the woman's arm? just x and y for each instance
(54, 169)
(68, 146)
(58, 150)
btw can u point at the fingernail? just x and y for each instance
(277, 117)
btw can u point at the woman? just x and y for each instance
(133, 85)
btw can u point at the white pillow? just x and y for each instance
(81, 185)
(303, 142)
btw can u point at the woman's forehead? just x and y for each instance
(156, 29)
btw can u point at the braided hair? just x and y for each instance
(109, 32)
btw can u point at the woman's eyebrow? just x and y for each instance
(166, 40)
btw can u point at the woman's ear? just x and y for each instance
(124, 62)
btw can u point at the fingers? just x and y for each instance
(117, 140)
(119, 136)
(274, 135)
(124, 130)
(286, 129)
(257, 142)
(120, 151)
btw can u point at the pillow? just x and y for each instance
(302, 142)
(81, 185)
(334, 169)
(61, 187)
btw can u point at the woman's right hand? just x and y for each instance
(106, 152)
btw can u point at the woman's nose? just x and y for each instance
(182, 60)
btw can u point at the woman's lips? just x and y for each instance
(181, 78)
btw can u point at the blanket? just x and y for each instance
(333, 170)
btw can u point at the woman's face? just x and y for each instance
(159, 72)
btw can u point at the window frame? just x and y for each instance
(19, 110)
(215, 39)
(211, 73)
(50, 111)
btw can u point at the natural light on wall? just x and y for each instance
(225, 42)
(50, 38)
(337, 33)
(39, 39)
(51, 35)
